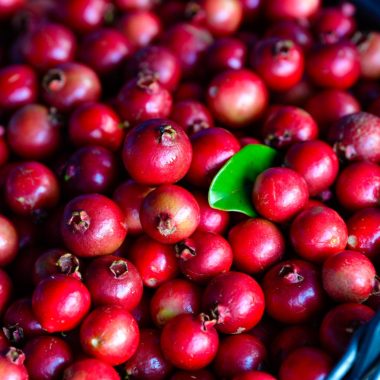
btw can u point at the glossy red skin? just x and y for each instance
(318, 233)
(9, 241)
(202, 374)
(31, 187)
(158, 60)
(364, 232)
(369, 50)
(96, 124)
(141, 312)
(99, 229)
(308, 362)
(257, 244)
(130, 5)
(20, 313)
(113, 280)
(236, 299)
(239, 353)
(169, 214)
(140, 27)
(293, 291)
(316, 162)
(33, 132)
(291, 338)
(211, 219)
(11, 365)
(68, 85)
(278, 194)
(237, 98)
(334, 65)
(211, 149)
(60, 303)
(155, 262)
(6, 289)
(157, 152)
(287, 125)
(172, 298)
(203, 256)
(104, 50)
(290, 9)
(226, 53)
(48, 45)
(340, 323)
(348, 276)
(90, 169)
(188, 42)
(110, 334)
(148, 362)
(17, 92)
(88, 369)
(4, 148)
(188, 342)
(7, 8)
(279, 62)
(254, 375)
(83, 15)
(129, 196)
(143, 98)
(47, 357)
(192, 116)
(358, 186)
(356, 137)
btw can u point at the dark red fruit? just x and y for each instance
(148, 362)
(291, 9)
(60, 302)
(8, 241)
(88, 369)
(131, 5)
(239, 353)
(254, 375)
(308, 362)
(279, 193)
(257, 244)
(69, 85)
(110, 334)
(10, 7)
(113, 280)
(369, 51)
(293, 291)
(203, 255)
(190, 342)
(33, 132)
(93, 225)
(202, 374)
(47, 357)
(172, 298)
(169, 214)
(6, 288)
(236, 300)
(157, 152)
(155, 262)
(237, 97)
(11, 365)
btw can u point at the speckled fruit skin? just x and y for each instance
(237, 301)
(190, 342)
(293, 291)
(157, 152)
(93, 225)
(110, 333)
(169, 214)
(60, 302)
(88, 369)
(318, 233)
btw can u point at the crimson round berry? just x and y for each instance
(169, 214)
(348, 276)
(93, 225)
(293, 291)
(31, 187)
(190, 342)
(88, 369)
(369, 47)
(34, 132)
(8, 8)
(9, 241)
(6, 289)
(113, 280)
(157, 152)
(237, 97)
(279, 193)
(110, 334)
(130, 5)
(291, 9)
(60, 302)
(318, 233)
(11, 365)
(236, 300)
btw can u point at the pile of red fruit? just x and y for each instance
(115, 117)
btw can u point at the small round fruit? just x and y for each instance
(8, 241)
(88, 369)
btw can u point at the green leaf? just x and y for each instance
(231, 188)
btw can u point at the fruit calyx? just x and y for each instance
(282, 48)
(79, 221)
(167, 135)
(165, 224)
(69, 264)
(148, 82)
(15, 356)
(14, 333)
(184, 250)
(119, 268)
(289, 272)
(54, 80)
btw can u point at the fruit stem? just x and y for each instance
(207, 321)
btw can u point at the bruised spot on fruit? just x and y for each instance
(119, 268)
(79, 221)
